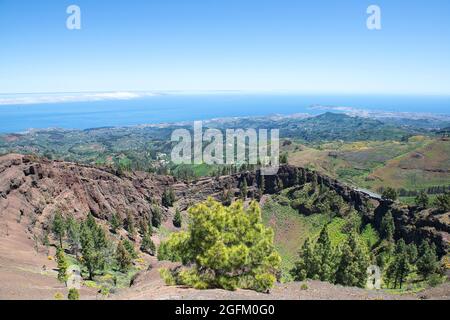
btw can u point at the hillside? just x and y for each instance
(33, 189)
(423, 167)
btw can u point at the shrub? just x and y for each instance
(59, 296)
(442, 202)
(304, 286)
(167, 276)
(390, 194)
(73, 294)
(434, 280)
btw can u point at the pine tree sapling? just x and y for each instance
(148, 245)
(123, 257)
(129, 246)
(156, 216)
(177, 219)
(62, 265)
(244, 189)
(387, 226)
(116, 222)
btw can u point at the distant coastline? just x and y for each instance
(122, 109)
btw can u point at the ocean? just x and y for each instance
(175, 108)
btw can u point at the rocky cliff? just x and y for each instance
(34, 188)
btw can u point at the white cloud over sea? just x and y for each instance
(39, 98)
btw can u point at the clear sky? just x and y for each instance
(315, 46)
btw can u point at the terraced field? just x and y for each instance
(418, 163)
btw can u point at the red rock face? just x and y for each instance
(36, 188)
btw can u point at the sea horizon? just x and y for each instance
(131, 108)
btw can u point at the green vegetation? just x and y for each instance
(389, 194)
(156, 216)
(168, 197)
(130, 248)
(343, 249)
(103, 264)
(226, 247)
(321, 261)
(59, 228)
(73, 294)
(442, 202)
(130, 226)
(427, 263)
(353, 263)
(116, 222)
(147, 244)
(177, 219)
(123, 257)
(387, 226)
(400, 267)
(62, 265)
(222, 247)
(422, 200)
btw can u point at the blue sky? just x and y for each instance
(320, 46)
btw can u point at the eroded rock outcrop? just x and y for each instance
(37, 188)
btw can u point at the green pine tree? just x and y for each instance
(123, 257)
(427, 263)
(224, 247)
(244, 189)
(177, 219)
(353, 264)
(399, 268)
(168, 197)
(412, 253)
(387, 226)
(326, 256)
(442, 202)
(116, 222)
(93, 258)
(130, 225)
(422, 199)
(307, 267)
(389, 194)
(59, 227)
(148, 245)
(62, 265)
(262, 185)
(130, 248)
(73, 235)
(156, 216)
